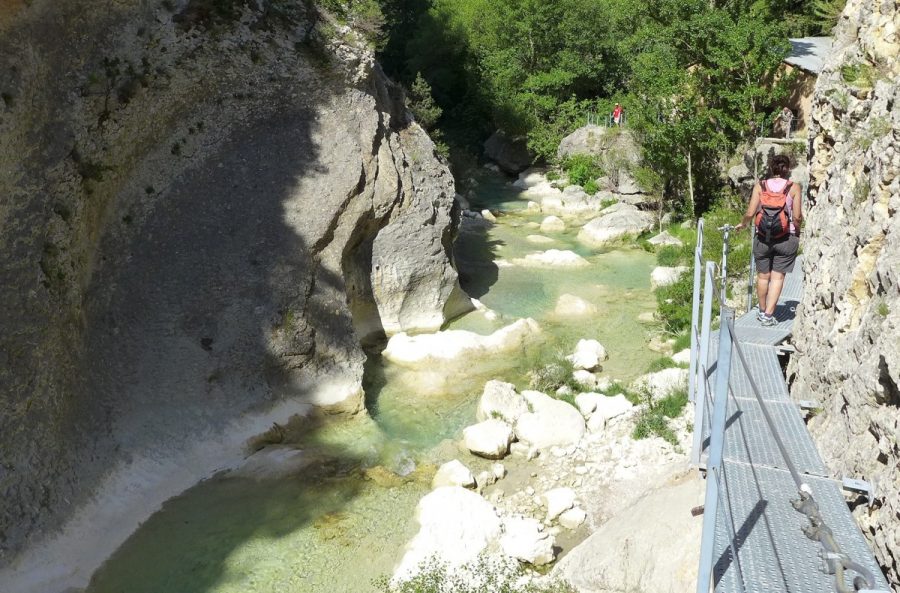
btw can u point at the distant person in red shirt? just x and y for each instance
(617, 114)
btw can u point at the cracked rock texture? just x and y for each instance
(206, 206)
(848, 332)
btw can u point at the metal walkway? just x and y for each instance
(774, 520)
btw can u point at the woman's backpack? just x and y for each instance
(773, 221)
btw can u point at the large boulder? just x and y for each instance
(569, 305)
(531, 177)
(602, 142)
(627, 185)
(455, 526)
(666, 276)
(588, 355)
(501, 400)
(557, 501)
(525, 539)
(453, 473)
(489, 439)
(550, 423)
(607, 408)
(552, 258)
(617, 221)
(665, 239)
(454, 346)
(510, 153)
(662, 383)
(192, 245)
(649, 547)
(552, 224)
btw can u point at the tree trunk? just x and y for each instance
(690, 176)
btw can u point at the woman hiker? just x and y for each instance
(776, 211)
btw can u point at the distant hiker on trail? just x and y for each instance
(785, 121)
(617, 114)
(777, 213)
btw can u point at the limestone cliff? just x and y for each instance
(848, 334)
(207, 204)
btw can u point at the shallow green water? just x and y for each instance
(339, 524)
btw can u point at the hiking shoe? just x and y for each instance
(760, 315)
(768, 321)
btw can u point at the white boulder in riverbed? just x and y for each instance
(531, 177)
(488, 215)
(552, 224)
(665, 239)
(587, 402)
(552, 258)
(550, 423)
(617, 221)
(501, 400)
(557, 501)
(572, 518)
(454, 346)
(525, 539)
(588, 355)
(606, 409)
(646, 547)
(453, 473)
(662, 383)
(683, 357)
(665, 276)
(585, 379)
(455, 526)
(490, 438)
(568, 305)
(539, 239)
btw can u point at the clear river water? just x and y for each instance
(344, 519)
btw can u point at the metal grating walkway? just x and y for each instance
(754, 517)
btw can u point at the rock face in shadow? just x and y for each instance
(205, 211)
(848, 332)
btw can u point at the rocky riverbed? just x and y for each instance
(460, 456)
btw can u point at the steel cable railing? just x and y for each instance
(837, 561)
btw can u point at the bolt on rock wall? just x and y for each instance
(848, 333)
(206, 206)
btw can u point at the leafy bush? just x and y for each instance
(674, 304)
(581, 168)
(553, 375)
(486, 575)
(591, 187)
(671, 256)
(422, 105)
(661, 364)
(652, 421)
(672, 405)
(682, 340)
(858, 75)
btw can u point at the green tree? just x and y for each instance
(422, 105)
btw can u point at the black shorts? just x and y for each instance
(778, 255)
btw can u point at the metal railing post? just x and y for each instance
(703, 362)
(750, 282)
(726, 230)
(716, 446)
(695, 310)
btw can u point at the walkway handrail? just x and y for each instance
(695, 309)
(837, 560)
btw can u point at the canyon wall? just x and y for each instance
(848, 331)
(206, 206)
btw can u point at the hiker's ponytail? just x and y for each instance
(781, 166)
